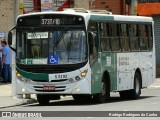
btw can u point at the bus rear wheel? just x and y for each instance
(43, 99)
(135, 93)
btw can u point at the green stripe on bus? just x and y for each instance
(33, 76)
(98, 17)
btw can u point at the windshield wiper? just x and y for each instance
(58, 41)
(64, 31)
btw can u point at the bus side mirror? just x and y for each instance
(10, 41)
(10, 38)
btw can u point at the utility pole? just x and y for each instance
(13, 55)
(133, 7)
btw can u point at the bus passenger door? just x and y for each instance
(95, 63)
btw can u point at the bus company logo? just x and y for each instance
(123, 61)
(6, 114)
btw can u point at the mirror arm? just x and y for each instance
(12, 28)
(12, 48)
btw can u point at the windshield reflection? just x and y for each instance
(53, 47)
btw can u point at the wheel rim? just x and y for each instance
(103, 89)
(137, 86)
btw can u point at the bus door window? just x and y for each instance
(105, 40)
(93, 40)
(124, 37)
(93, 46)
(143, 34)
(133, 34)
(114, 35)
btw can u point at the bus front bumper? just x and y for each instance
(82, 86)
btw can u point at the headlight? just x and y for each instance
(26, 80)
(23, 79)
(84, 73)
(79, 77)
(18, 75)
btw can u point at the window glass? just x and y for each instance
(93, 41)
(150, 35)
(114, 37)
(133, 33)
(124, 37)
(143, 34)
(105, 40)
(92, 26)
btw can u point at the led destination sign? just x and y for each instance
(50, 20)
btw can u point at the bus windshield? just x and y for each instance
(51, 47)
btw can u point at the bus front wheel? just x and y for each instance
(104, 95)
(43, 99)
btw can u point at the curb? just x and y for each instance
(29, 101)
(24, 102)
(154, 87)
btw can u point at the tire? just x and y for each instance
(123, 94)
(135, 93)
(104, 95)
(43, 99)
(82, 98)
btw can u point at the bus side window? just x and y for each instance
(133, 34)
(143, 34)
(114, 33)
(124, 37)
(150, 35)
(105, 40)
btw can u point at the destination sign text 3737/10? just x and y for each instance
(50, 21)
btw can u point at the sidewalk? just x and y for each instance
(156, 84)
(6, 99)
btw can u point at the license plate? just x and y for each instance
(48, 87)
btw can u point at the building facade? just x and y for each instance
(6, 17)
(114, 6)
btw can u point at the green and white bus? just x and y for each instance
(86, 54)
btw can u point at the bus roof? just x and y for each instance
(96, 16)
